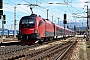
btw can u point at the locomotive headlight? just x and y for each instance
(21, 36)
(35, 31)
(27, 37)
(20, 31)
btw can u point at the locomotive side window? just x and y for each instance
(40, 23)
(56, 29)
(59, 30)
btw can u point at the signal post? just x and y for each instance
(64, 22)
(2, 17)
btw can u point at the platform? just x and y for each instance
(7, 40)
(79, 36)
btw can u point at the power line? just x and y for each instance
(71, 4)
(26, 1)
(17, 4)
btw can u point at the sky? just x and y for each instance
(73, 9)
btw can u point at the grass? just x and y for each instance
(81, 56)
(88, 49)
(87, 42)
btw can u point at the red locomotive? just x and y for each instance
(33, 29)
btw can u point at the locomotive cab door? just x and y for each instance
(41, 28)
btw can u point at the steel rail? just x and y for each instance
(59, 57)
(49, 52)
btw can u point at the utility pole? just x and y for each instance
(2, 30)
(47, 13)
(14, 21)
(79, 29)
(52, 18)
(87, 38)
(89, 22)
(87, 18)
(58, 20)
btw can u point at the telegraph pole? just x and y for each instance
(14, 21)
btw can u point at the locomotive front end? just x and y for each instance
(28, 29)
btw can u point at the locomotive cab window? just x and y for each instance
(40, 23)
(28, 23)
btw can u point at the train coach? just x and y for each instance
(11, 33)
(33, 29)
(61, 32)
(5, 32)
(8, 32)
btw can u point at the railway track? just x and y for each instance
(7, 52)
(12, 51)
(60, 56)
(55, 53)
(32, 53)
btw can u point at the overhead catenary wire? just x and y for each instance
(71, 4)
(11, 8)
(70, 7)
(40, 7)
(45, 8)
(15, 4)
(40, 3)
(53, 11)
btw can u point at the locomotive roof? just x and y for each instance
(63, 28)
(34, 16)
(59, 26)
(30, 16)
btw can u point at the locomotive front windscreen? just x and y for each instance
(28, 23)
